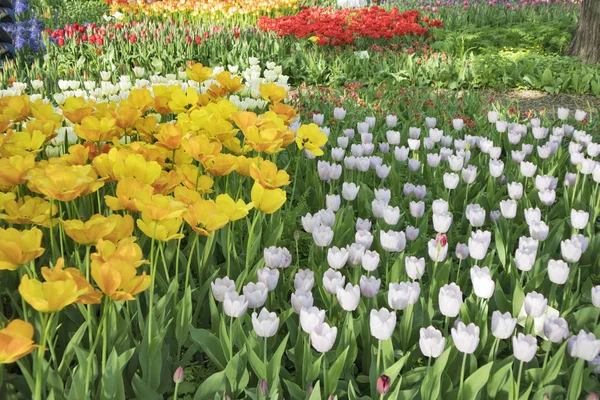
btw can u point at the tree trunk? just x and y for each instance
(586, 41)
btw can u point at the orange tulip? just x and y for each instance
(16, 341)
(19, 247)
(87, 294)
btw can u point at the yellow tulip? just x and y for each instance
(272, 92)
(159, 207)
(221, 165)
(49, 297)
(95, 129)
(126, 191)
(311, 138)
(16, 341)
(64, 183)
(89, 232)
(19, 247)
(14, 169)
(28, 211)
(75, 109)
(87, 294)
(266, 173)
(233, 209)
(267, 200)
(163, 230)
(199, 72)
(204, 217)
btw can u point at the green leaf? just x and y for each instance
(210, 344)
(576, 381)
(143, 391)
(184, 317)
(498, 377)
(552, 369)
(430, 389)
(256, 363)
(333, 373)
(477, 380)
(316, 393)
(212, 385)
(274, 365)
(112, 386)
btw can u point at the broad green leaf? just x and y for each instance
(211, 386)
(210, 344)
(430, 389)
(477, 380)
(333, 373)
(576, 380)
(499, 375)
(552, 368)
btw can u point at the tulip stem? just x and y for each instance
(378, 356)
(325, 376)
(152, 283)
(189, 263)
(51, 230)
(176, 390)
(39, 369)
(462, 376)
(230, 338)
(518, 387)
(265, 357)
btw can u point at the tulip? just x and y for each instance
(466, 338)
(265, 324)
(393, 137)
(277, 257)
(525, 259)
(539, 230)
(391, 120)
(234, 305)
(383, 384)
(503, 325)
(19, 247)
(363, 224)
(323, 337)
(326, 218)
(392, 241)
(348, 297)
(479, 243)
(483, 284)
(437, 251)
(462, 251)
(535, 304)
(301, 299)
(391, 215)
(556, 329)
(508, 208)
(269, 277)
(515, 190)
(178, 375)
(382, 323)
(355, 254)
(579, 219)
(571, 250)
(370, 260)
(524, 347)
(304, 280)
(415, 267)
(417, 209)
(431, 342)
(222, 286)
(350, 191)
(402, 294)
(16, 341)
(339, 113)
(310, 318)
(450, 180)
(558, 271)
(475, 214)
(369, 286)
(255, 294)
(562, 113)
(332, 280)
(442, 222)
(492, 116)
(411, 233)
(450, 300)
(322, 235)
(596, 296)
(584, 345)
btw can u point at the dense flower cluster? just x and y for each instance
(198, 7)
(27, 34)
(339, 27)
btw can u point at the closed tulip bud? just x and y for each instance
(456, 163)
(501, 126)
(492, 116)
(401, 153)
(393, 137)
(333, 202)
(322, 338)
(391, 120)
(458, 124)
(383, 384)
(322, 236)
(400, 295)
(583, 241)
(558, 271)
(178, 375)
(301, 299)
(562, 113)
(411, 233)
(508, 208)
(524, 347)
(370, 260)
(369, 286)
(451, 180)
(430, 122)
(255, 294)
(556, 329)
(269, 277)
(356, 252)
(234, 305)
(431, 342)
(336, 257)
(515, 190)
(496, 168)
(579, 219)
(593, 395)
(222, 286)
(437, 252)
(266, 323)
(462, 251)
(339, 113)
(382, 323)
(310, 222)
(310, 318)
(391, 215)
(584, 345)
(532, 214)
(332, 280)
(535, 304)
(475, 214)
(450, 300)
(479, 243)
(263, 388)
(596, 296)
(318, 119)
(525, 259)
(304, 280)
(363, 224)
(465, 337)
(384, 147)
(348, 297)
(571, 250)
(413, 164)
(503, 325)
(277, 257)
(483, 284)
(539, 230)
(378, 207)
(364, 238)
(442, 222)
(415, 267)
(417, 209)
(392, 241)
(350, 191)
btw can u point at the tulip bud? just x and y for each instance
(263, 388)
(309, 390)
(383, 384)
(178, 375)
(592, 396)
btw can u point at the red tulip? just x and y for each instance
(383, 384)
(60, 41)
